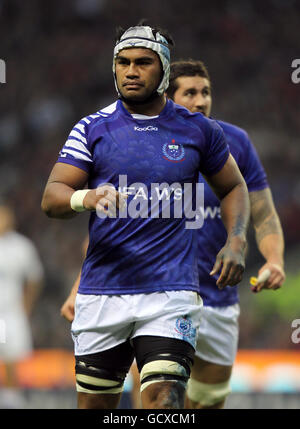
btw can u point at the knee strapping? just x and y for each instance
(207, 394)
(94, 380)
(164, 370)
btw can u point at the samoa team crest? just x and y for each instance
(173, 152)
(184, 327)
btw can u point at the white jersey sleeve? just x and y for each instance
(32, 265)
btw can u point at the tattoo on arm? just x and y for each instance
(263, 213)
(239, 227)
(270, 226)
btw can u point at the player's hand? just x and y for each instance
(105, 199)
(231, 259)
(68, 308)
(275, 279)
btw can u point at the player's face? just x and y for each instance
(194, 93)
(138, 73)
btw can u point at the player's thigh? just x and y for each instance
(208, 386)
(217, 340)
(101, 322)
(169, 314)
(216, 348)
(209, 372)
(136, 385)
(217, 344)
(164, 338)
(164, 365)
(100, 376)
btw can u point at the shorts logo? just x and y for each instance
(184, 327)
(173, 152)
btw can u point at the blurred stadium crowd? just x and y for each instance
(58, 57)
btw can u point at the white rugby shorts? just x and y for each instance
(102, 322)
(218, 334)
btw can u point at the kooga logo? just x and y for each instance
(149, 128)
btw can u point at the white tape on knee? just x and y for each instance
(161, 367)
(110, 386)
(207, 394)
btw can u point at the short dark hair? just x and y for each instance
(120, 31)
(185, 68)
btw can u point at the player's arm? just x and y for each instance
(64, 181)
(31, 292)
(230, 187)
(33, 277)
(269, 237)
(68, 308)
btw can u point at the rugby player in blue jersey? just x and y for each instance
(138, 292)
(190, 86)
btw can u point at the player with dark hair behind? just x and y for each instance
(208, 387)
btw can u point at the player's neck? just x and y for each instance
(148, 109)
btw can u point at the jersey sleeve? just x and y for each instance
(75, 150)
(217, 150)
(251, 168)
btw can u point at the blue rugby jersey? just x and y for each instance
(212, 236)
(142, 255)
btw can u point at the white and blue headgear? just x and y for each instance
(143, 37)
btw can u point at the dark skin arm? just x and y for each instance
(269, 238)
(63, 181)
(68, 308)
(231, 189)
